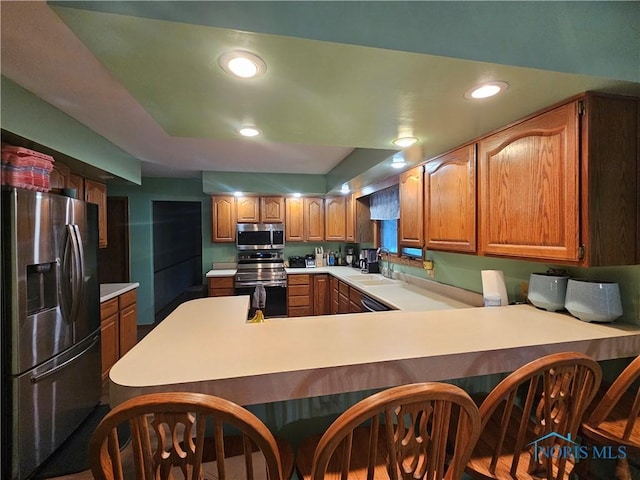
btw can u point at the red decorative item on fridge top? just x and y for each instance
(24, 168)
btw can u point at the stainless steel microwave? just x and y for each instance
(260, 236)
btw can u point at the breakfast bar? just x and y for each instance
(206, 345)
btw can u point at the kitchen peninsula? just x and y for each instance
(206, 345)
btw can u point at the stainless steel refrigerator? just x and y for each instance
(50, 332)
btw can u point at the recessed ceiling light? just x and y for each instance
(238, 194)
(249, 131)
(345, 188)
(398, 160)
(296, 195)
(242, 64)
(485, 90)
(405, 141)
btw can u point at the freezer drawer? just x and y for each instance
(50, 401)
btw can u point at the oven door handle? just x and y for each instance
(255, 284)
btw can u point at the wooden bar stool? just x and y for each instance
(614, 419)
(170, 439)
(531, 416)
(402, 432)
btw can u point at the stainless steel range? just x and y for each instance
(260, 272)
(261, 267)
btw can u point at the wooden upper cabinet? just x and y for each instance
(335, 219)
(95, 192)
(223, 222)
(314, 219)
(563, 185)
(59, 177)
(529, 195)
(450, 201)
(294, 219)
(272, 210)
(248, 210)
(610, 176)
(350, 220)
(260, 210)
(77, 182)
(411, 224)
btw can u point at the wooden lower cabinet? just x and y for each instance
(321, 294)
(109, 321)
(355, 300)
(128, 328)
(221, 286)
(299, 295)
(118, 328)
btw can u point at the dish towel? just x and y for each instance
(259, 297)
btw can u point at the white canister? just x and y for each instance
(593, 301)
(547, 291)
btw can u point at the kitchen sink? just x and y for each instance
(364, 276)
(371, 279)
(379, 281)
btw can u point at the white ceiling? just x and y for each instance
(147, 87)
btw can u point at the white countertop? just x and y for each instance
(206, 345)
(397, 294)
(112, 290)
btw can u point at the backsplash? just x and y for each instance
(463, 271)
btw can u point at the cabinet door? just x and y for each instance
(109, 343)
(314, 219)
(109, 334)
(128, 329)
(77, 182)
(59, 176)
(321, 294)
(335, 218)
(272, 210)
(223, 222)
(95, 192)
(528, 188)
(350, 218)
(450, 201)
(294, 219)
(355, 300)
(411, 224)
(248, 210)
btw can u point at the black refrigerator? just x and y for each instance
(50, 331)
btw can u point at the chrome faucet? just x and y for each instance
(386, 271)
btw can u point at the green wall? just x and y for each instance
(464, 271)
(141, 198)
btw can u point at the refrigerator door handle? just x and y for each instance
(66, 281)
(37, 378)
(78, 272)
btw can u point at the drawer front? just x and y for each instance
(298, 279)
(300, 312)
(294, 290)
(108, 308)
(127, 298)
(221, 292)
(220, 282)
(299, 301)
(344, 289)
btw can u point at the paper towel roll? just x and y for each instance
(493, 286)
